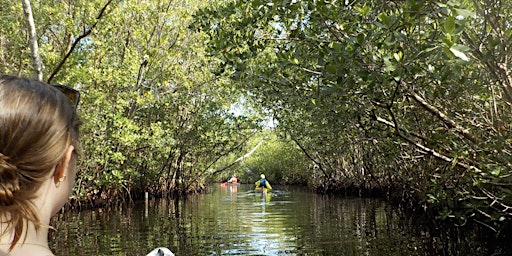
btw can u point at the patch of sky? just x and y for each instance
(241, 108)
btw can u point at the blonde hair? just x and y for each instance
(37, 124)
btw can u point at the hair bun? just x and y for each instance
(9, 182)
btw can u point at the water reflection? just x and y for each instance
(236, 220)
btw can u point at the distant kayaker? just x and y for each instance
(234, 179)
(263, 183)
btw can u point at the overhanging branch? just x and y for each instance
(446, 120)
(242, 158)
(424, 148)
(77, 40)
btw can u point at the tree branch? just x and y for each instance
(422, 147)
(77, 40)
(242, 158)
(449, 122)
(311, 158)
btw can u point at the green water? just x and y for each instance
(236, 220)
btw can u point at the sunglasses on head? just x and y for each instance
(70, 93)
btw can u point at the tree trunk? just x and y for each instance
(37, 64)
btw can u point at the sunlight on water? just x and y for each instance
(236, 220)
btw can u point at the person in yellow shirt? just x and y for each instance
(263, 183)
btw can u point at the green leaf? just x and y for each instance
(465, 13)
(384, 18)
(380, 25)
(457, 50)
(337, 47)
(331, 69)
(360, 38)
(449, 25)
(461, 47)
(453, 3)
(398, 56)
(365, 10)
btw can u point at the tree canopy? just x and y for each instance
(410, 96)
(155, 116)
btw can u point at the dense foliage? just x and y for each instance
(279, 159)
(155, 117)
(406, 97)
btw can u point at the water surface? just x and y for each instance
(236, 220)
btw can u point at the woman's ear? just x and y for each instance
(61, 169)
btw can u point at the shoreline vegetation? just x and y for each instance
(408, 100)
